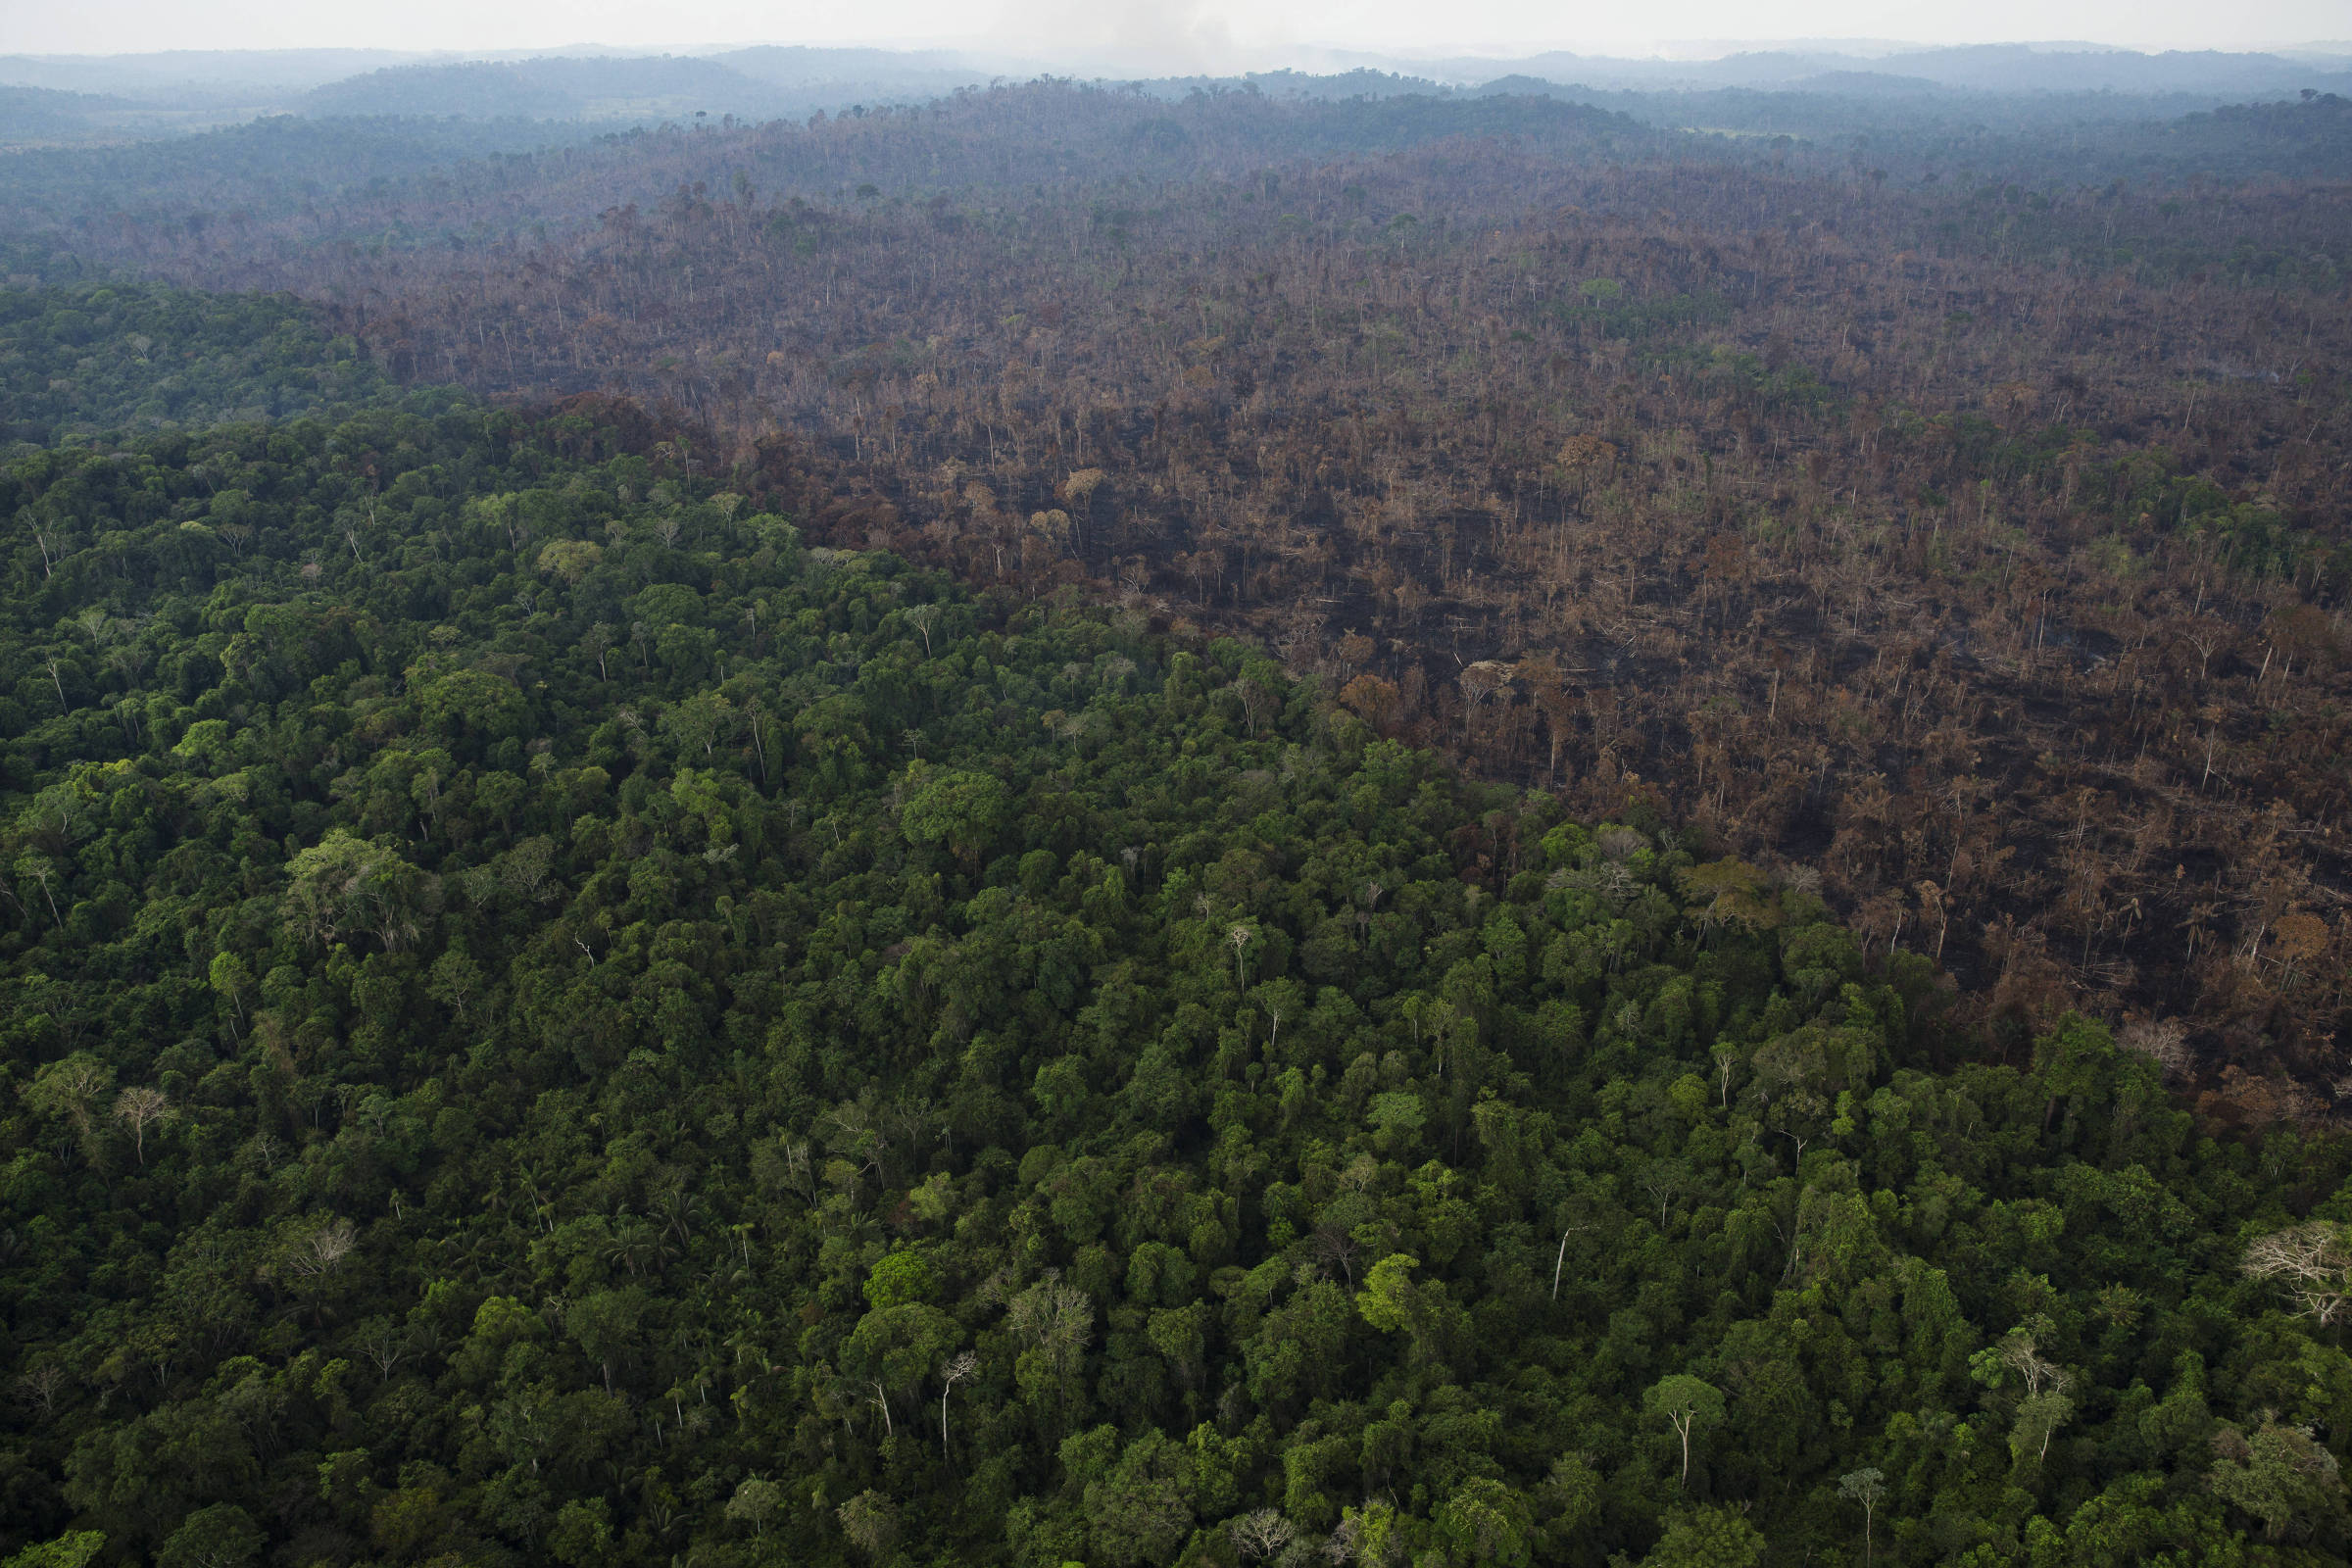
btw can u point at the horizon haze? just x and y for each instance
(1195, 35)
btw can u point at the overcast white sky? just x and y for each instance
(1189, 32)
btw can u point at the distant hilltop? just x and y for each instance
(70, 99)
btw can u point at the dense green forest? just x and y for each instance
(115, 357)
(549, 1021)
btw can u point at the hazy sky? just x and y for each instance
(1185, 35)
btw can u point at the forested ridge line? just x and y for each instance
(551, 1021)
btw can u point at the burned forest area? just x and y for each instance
(1972, 540)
